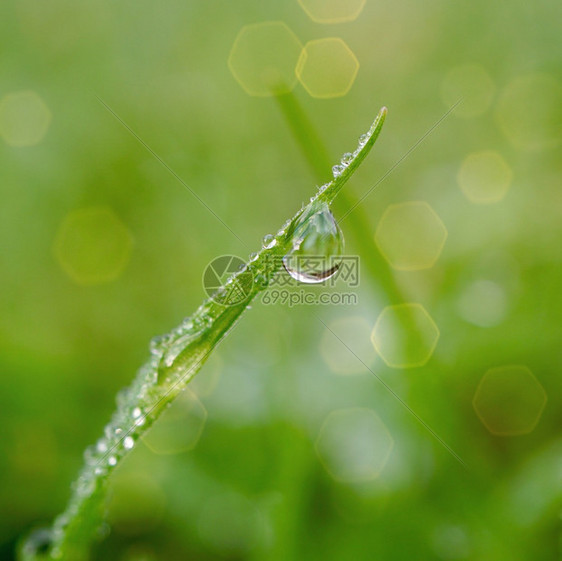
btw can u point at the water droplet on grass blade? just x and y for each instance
(317, 247)
(337, 170)
(39, 542)
(268, 241)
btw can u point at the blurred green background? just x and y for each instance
(287, 447)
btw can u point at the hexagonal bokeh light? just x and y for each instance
(332, 11)
(264, 57)
(24, 118)
(484, 177)
(405, 335)
(354, 444)
(509, 400)
(327, 67)
(411, 236)
(93, 246)
(179, 428)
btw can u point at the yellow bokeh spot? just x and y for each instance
(263, 58)
(405, 335)
(472, 84)
(509, 400)
(484, 177)
(179, 428)
(327, 68)
(24, 118)
(411, 236)
(93, 246)
(355, 333)
(354, 445)
(332, 11)
(529, 112)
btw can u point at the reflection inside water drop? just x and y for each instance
(317, 247)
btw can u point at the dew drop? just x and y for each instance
(337, 170)
(101, 446)
(268, 241)
(157, 343)
(39, 542)
(85, 486)
(347, 158)
(128, 443)
(363, 139)
(317, 247)
(253, 256)
(137, 412)
(112, 461)
(90, 455)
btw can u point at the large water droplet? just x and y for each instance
(317, 247)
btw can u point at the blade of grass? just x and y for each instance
(175, 359)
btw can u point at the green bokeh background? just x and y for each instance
(254, 486)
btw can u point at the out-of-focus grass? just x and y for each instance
(254, 486)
